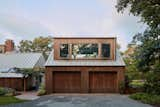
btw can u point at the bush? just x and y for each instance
(2, 91)
(41, 90)
(122, 87)
(152, 84)
(146, 98)
(137, 84)
(6, 91)
(10, 92)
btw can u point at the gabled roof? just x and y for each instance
(21, 60)
(118, 62)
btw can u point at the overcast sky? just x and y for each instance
(27, 19)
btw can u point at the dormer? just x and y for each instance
(97, 48)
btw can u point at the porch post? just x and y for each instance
(24, 84)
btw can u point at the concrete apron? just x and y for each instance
(28, 96)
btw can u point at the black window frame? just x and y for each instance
(60, 53)
(102, 50)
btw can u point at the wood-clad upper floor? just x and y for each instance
(97, 48)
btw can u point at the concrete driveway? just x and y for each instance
(96, 100)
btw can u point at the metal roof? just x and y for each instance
(84, 37)
(21, 60)
(11, 75)
(118, 62)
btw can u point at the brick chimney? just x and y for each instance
(9, 45)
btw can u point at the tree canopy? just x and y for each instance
(148, 49)
(147, 53)
(148, 10)
(39, 44)
(148, 43)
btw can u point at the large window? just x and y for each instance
(105, 50)
(64, 50)
(84, 51)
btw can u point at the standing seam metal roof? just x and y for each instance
(118, 62)
(21, 60)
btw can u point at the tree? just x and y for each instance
(147, 52)
(131, 70)
(148, 10)
(148, 49)
(25, 46)
(39, 44)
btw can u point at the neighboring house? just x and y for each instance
(84, 65)
(19, 60)
(7, 47)
(11, 60)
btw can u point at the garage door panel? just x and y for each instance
(102, 82)
(67, 81)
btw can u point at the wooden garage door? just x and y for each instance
(100, 82)
(68, 82)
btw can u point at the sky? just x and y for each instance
(27, 19)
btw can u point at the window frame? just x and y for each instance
(60, 51)
(97, 57)
(110, 51)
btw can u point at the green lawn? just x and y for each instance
(9, 100)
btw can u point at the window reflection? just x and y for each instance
(106, 50)
(64, 50)
(84, 51)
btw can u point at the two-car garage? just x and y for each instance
(84, 65)
(73, 81)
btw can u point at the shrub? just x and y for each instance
(10, 92)
(41, 90)
(122, 87)
(6, 91)
(152, 84)
(2, 91)
(146, 98)
(137, 84)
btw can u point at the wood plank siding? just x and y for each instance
(87, 79)
(99, 41)
(15, 83)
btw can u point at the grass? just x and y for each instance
(146, 98)
(9, 100)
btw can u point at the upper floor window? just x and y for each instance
(105, 50)
(64, 50)
(84, 51)
(80, 51)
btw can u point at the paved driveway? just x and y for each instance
(107, 100)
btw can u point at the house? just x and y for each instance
(84, 65)
(11, 60)
(7, 47)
